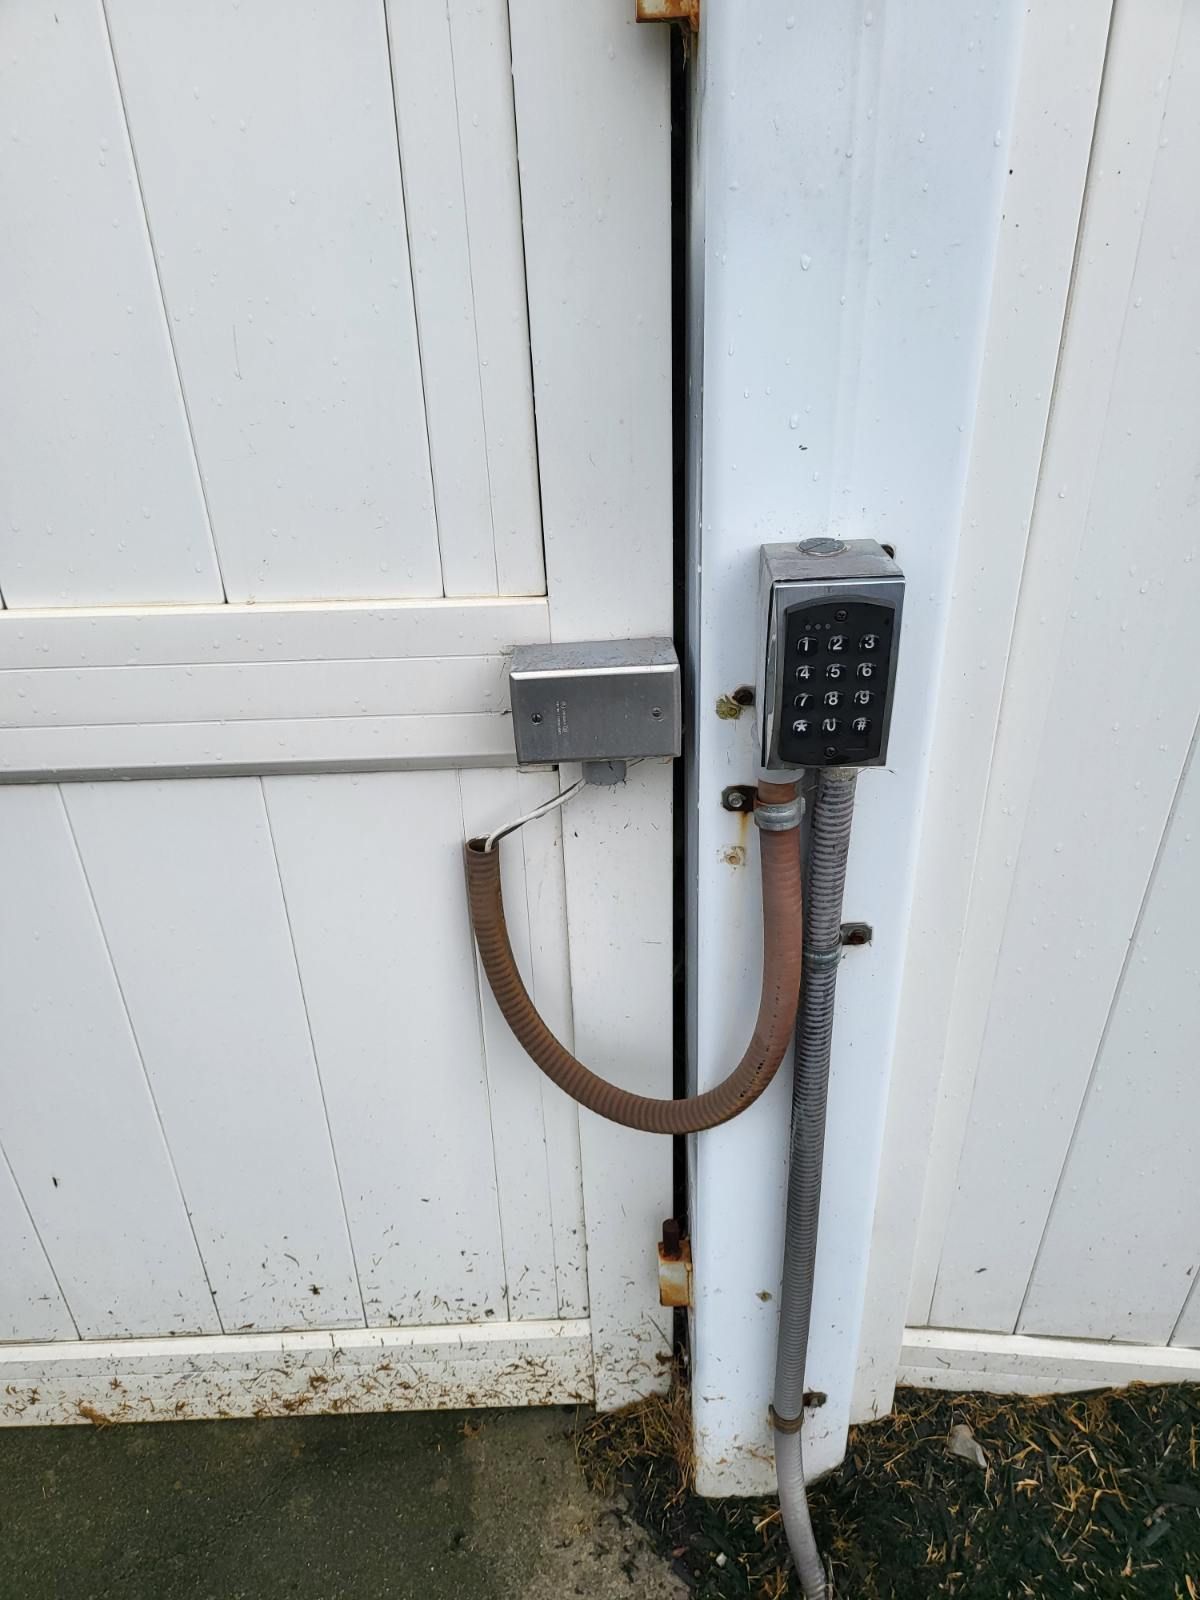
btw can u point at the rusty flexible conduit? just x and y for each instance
(783, 951)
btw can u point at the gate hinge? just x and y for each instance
(674, 1266)
(670, 11)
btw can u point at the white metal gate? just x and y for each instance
(282, 285)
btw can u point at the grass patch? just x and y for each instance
(1095, 1495)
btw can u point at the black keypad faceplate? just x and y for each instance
(836, 656)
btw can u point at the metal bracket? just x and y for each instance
(674, 1266)
(670, 11)
(739, 797)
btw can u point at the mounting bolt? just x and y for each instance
(743, 696)
(536, 717)
(857, 933)
(738, 797)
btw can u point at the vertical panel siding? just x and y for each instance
(487, 135)
(535, 1126)
(102, 502)
(372, 871)
(1123, 1239)
(597, 210)
(266, 143)
(185, 883)
(1098, 714)
(454, 112)
(593, 118)
(158, 1038)
(76, 1117)
(31, 1305)
(1187, 1330)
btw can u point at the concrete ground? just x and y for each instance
(478, 1506)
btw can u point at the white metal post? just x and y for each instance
(847, 168)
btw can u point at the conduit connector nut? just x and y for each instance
(774, 818)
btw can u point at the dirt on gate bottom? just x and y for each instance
(1095, 1494)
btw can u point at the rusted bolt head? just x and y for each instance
(738, 797)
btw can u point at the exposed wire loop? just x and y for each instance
(531, 816)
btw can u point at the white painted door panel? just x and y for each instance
(258, 1094)
(81, 1130)
(266, 143)
(374, 886)
(31, 1305)
(597, 224)
(537, 1151)
(1060, 1198)
(1187, 1331)
(1122, 1242)
(101, 499)
(184, 881)
(455, 119)
(1115, 721)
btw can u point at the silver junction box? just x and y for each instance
(614, 700)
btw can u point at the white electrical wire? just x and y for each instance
(540, 811)
(531, 816)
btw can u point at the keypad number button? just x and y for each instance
(863, 697)
(807, 645)
(865, 669)
(869, 641)
(803, 674)
(829, 725)
(800, 726)
(800, 701)
(835, 671)
(834, 697)
(861, 725)
(837, 643)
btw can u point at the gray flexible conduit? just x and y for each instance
(829, 844)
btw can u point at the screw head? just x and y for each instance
(736, 802)
(536, 717)
(656, 713)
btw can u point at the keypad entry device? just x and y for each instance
(832, 609)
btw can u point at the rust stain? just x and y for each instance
(670, 11)
(734, 855)
(674, 1266)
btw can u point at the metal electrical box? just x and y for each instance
(614, 700)
(827, 666)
